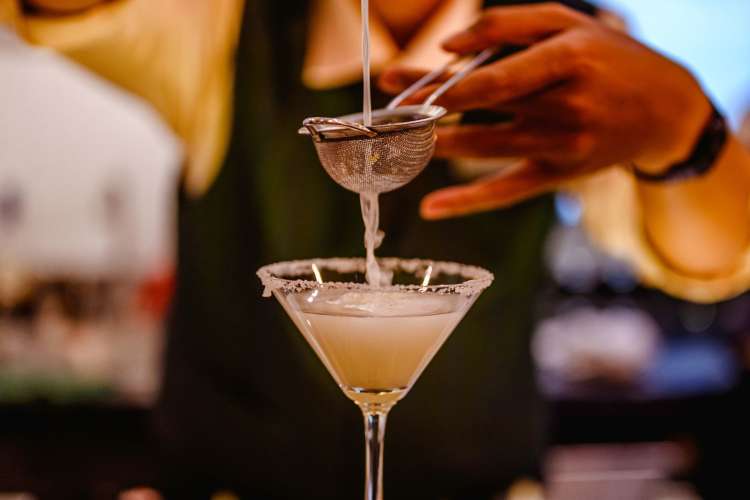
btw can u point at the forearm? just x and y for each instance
(702, 226)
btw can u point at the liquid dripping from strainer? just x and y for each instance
(369, 201)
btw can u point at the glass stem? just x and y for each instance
(374, 436)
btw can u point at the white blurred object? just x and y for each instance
(85, 170)
(639, 471)
(574, 261)
(586, 343)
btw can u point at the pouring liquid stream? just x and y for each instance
(369, 201)
(366, 83)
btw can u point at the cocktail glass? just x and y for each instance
(375, 341)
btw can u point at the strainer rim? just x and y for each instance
(431, 115)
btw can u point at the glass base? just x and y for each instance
(366, 398)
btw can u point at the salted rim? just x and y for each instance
(271, 275)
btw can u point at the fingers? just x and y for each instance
(519, 25)
(395, 80)
(498, 191)
(503, 140)
(571, 106)
(532, 70)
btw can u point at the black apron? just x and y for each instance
(245, 404)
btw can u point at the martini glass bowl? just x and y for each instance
(375, 341)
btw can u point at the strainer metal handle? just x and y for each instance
(312, 124)
(480, 59)
(430, 77)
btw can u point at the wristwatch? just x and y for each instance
(707, 150)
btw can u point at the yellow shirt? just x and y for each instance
(178, 55)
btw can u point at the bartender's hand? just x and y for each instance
(583, 97)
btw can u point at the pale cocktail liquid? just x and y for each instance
(376, 344)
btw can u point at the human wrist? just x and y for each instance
(703, 155)
(676, 124)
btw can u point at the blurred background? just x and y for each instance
(647, 393)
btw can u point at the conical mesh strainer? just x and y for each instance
(379, 158)
(395, 148)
